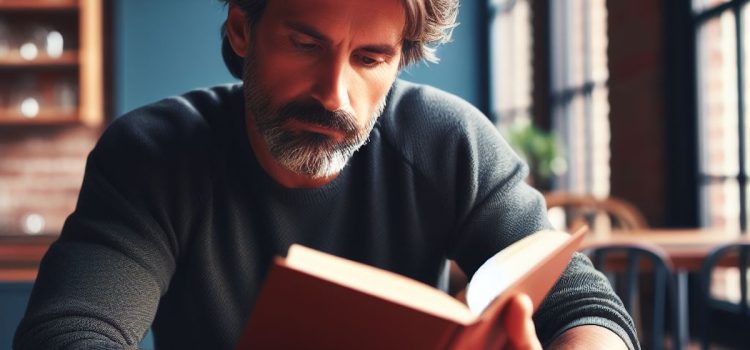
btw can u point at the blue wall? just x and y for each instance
(164, 48)
(459, 69)
(167, 47)
(13, 299)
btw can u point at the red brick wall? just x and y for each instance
(637, 101)
(41, 169)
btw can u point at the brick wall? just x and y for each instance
(41, 169)
(637, 117)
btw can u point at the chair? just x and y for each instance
(735, 255)
(631, 264)
(600, 214)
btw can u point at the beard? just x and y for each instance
(306, 153)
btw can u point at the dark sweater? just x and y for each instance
(177, 223)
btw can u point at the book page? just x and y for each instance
(377, 282)
(507, 266)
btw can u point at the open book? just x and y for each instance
(313, 300)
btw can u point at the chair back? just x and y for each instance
(579, 209)
(626, 266)
(731, 255)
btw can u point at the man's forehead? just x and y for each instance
(382, 21)
(296, 5)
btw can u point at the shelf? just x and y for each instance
(80, 63)
(20, 256)
(23, 251)
(45, 117)
(38, 5)
(9, 275)
(14, 60)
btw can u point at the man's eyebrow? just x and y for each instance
(307, 30)
(383, 49)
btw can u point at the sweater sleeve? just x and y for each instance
(582, 296)
(100, 283)
(494, 207)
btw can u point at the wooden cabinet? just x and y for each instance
(51, 62)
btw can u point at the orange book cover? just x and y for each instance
(313, 300)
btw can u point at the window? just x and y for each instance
(511, 68)
(578, 95)
(722, 76)
(578, 84)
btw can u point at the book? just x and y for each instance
(313, 300)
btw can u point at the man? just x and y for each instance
(186, 201)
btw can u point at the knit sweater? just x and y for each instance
(177, 223)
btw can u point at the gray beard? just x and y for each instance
(304, 153)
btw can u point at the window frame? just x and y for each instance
(700, 18)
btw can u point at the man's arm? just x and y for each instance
(88, 296)
(498, 210)
(522, 333)
(482, 181)
(582, 296)
(100, 284)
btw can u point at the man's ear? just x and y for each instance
(238, 30)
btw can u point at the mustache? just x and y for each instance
(313, 112)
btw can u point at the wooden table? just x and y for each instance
(686, 249)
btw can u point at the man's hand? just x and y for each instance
(519, 326)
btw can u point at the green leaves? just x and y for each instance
(539, 148)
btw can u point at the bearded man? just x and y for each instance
(185, 202)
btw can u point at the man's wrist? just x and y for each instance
(588, 337)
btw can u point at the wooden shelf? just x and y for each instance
(8, 275)
(38, 5)
(23, 250)
(84, 59)
(14, 60)
(45, 117)
(20, 256)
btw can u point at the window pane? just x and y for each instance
(746, 88)
(717, 96)
(721, 205)
(600, 131)
(718, 119)
(746, 82)
(701, 5)
(580, 108)
(511, 54)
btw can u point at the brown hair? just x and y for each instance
(429, 23)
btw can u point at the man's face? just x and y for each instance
(316, 76)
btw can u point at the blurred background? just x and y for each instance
(641, 100)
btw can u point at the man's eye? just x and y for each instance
(369, 61)
(304, 45)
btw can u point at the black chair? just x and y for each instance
(729, 255)
(627, 265)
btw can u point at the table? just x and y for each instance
(685, 248)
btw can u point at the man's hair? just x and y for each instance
(429, 23)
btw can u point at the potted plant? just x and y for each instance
(541, 151)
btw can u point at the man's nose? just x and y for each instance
(331, 88)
